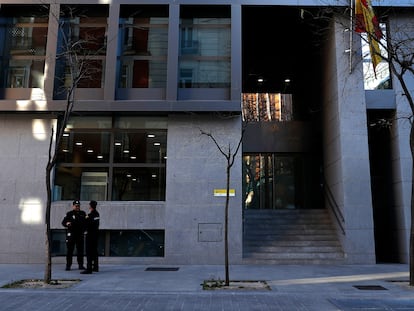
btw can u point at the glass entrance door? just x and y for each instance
(274, 181)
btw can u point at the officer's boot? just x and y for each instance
(95, 266)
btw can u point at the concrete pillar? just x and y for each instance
(346, 153)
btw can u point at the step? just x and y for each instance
(289, 237)
(297, 243)
(291, 261)
(298, 255)
(291, 249)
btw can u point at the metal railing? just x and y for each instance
(333, 205)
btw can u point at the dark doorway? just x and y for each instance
(380, 156)
(282, 107)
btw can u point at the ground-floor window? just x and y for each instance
(281, 181)
(112, 158)
(119, 243)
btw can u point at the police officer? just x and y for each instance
(92, 235)
(74, 222)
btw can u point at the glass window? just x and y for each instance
(139, 184)
(23, 33)
(144, 147)
(143, 46)
(205, 47)
(84, 147)
(104, 163)
(137, 243)
(118, 243)
(82, 35)
(266, 107)
(281, 181)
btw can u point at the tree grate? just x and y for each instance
(370, 287)
(161, 269)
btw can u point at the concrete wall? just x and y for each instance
(195, 167)
(402, 28)
(346, 146)
(23, 156)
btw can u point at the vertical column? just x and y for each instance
(352, 153)
(52, 34)
(173, 46)
(401, 29)
(236, 63)
(111, 52)
(346, 154)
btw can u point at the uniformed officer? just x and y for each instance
(92, 235)
(74, 222)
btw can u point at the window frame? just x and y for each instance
(112, 164)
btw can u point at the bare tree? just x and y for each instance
(229, 152)
(76, 55)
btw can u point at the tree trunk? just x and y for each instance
(226, 227)
(48, 240)
(411, 246)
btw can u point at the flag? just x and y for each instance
(366, 21)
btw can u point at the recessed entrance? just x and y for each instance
(280, 181)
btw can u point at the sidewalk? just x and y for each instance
(293, 287)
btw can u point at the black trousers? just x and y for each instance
(91, 253)
(71, 242)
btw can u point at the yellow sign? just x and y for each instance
(223, 192)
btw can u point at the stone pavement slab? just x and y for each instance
(293, 287)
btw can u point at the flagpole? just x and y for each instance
(351, 22)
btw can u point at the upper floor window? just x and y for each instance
(143, 46)
(23, 36)
(81, 47)
(265, 107)
(118, 159)
(205, 47)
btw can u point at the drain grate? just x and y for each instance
(370, 287)
(161, 269)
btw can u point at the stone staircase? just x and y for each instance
(290, 237)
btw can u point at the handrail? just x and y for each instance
(333, 205)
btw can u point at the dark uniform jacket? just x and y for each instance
(76, 227)
(92, 224)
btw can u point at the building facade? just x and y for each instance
(152, 79)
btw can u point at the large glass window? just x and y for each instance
(281, 181)
(23, 36)
(119, 243)
(121, 162)
(143, 46)
(205, 47)
(81, 47)
(266, 107)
